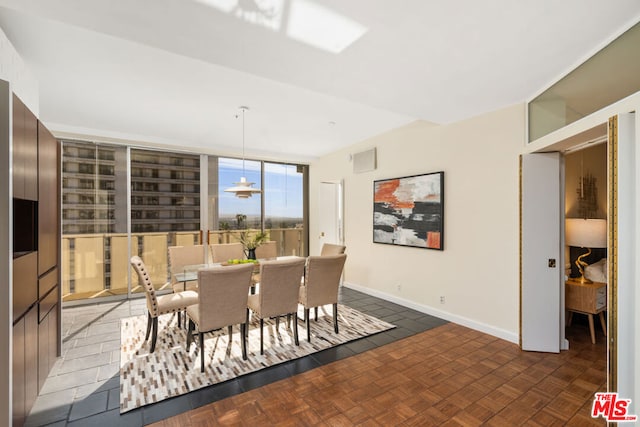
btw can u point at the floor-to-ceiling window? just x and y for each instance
(284, 207)
(120, 201)
(165, 208)
(278, 209)
(94, 221)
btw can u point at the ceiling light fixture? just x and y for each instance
(243, 189)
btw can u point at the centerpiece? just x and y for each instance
(252, 241)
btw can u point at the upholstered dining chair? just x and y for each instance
(221, 252)
(159, 305)
(267, 250)
(278, 293)
(222, 301)
(331, 249)
(181, 256)
(321, 283)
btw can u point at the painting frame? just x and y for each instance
(409, 211)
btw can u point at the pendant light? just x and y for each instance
(243, 189)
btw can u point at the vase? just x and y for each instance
(251, 253)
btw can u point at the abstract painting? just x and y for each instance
(409, 211)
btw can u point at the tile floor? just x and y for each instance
(83, 387)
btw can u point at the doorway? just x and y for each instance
(586, 262)
(330, 214)
(621, 238)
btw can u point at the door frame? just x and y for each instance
(588, 128)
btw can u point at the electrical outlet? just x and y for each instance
(442, 300)
(398, 287)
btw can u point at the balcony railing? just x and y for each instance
(97, 265)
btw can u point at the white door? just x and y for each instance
(329, 214)
(541, 264)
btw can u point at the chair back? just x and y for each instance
(145, 280)
(222, 295)
(322, 279)
(181, 256)
(267, 250)
(331, 249)
(221, 252)
(279, 285)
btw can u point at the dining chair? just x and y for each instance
(331, 249)
(221, 252)
(278, 293)
(267, 250)
(222, 301)
(321, 284)
(179, 257)
(159, 305)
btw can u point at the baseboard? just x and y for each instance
(454, 318)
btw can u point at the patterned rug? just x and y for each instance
(172, 370)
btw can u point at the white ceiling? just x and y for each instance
(174, 72)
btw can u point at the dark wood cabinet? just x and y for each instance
(17, 159)
(19, 412)
(25, 283)
(31, 388)
(47, 343)
(47, 200)
(25, 152)
(25, 365)
(30, 155)
(36, 272)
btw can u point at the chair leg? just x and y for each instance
(190, 333)
(246, 329)
(295, 328)
(201, 351)
(308, 320)
(243, 340)
(230, 330)
(335, 317)
(154, 334)
(288, 320)
(316, 310)
(149, 321)
(179, 313)
(261, 336)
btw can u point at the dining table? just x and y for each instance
(190, 272)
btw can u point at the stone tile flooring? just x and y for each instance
(83, 387)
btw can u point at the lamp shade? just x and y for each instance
(586, 233)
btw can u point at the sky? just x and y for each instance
(282, 189)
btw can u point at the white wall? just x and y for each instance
(13, 69)
(477, 272)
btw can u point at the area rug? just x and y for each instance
(172, 370)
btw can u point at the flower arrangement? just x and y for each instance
(252, 241)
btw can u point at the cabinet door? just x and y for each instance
(30, 155)
(30, 359)
(48, 200)
(19, 412)
(54, 337)
(17, 158)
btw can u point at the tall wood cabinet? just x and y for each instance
(36, 257)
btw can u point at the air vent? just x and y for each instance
(364, 161)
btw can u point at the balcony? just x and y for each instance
(97, 265)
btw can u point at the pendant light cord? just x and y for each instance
(243, 172)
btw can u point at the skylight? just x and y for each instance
(307, 21)
(321, 27)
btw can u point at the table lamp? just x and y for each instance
(585, 233)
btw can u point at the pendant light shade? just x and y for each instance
(243, 189)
